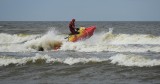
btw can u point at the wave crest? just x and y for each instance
(134, 60)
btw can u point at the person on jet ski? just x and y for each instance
(72, 27)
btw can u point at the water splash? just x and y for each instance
(49, 41)
(106, 41)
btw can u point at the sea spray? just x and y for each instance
(106, 41)
(115, 42)
(47, 42)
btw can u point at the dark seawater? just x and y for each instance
(117, 53)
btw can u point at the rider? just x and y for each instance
(72, 27)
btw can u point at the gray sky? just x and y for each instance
(81, 10)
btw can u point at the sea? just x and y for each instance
(119, 52)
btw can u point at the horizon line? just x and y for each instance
(88, 20)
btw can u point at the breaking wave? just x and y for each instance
(40, 59)
(106, 41)
(134, 60)
(15, 38)
(49, 41)
(119, 59)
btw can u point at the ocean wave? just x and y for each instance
(15, 38)
(49, 41)
(134, 60)
(106, 41)
(42, 59)
(118, 59)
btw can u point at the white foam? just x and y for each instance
(133, 39)
(4, 61)
(15, 48)
(72, 61)
(134, 60)
(99, 42)
(115, 42)
(46, 42)
(25, 43)
(8, 38)
(119, 59)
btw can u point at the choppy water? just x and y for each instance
(118, 52)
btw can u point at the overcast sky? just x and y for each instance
(81, 10)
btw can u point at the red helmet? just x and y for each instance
(73, 19)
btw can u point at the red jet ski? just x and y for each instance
(84, 33)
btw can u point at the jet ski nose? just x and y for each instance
(94, 27)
